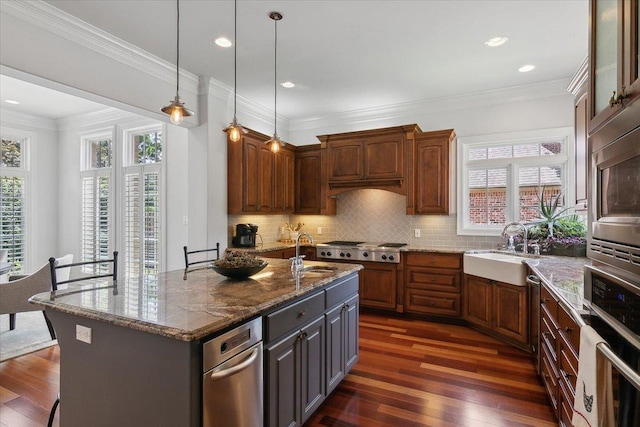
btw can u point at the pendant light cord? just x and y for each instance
(235, 56)
(177, 47)
(275, 80)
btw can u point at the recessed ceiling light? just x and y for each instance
(496, 41)
(223, 42)
(526, 68)
(288, 85)
(11, 101)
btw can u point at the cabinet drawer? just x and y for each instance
(436, 303)
(549, 377)
(548, 333)
(568, 363)
(340, 292)
(423, 259)
(569, 328)
(565, 403)
(549, 301)
(294, 315)
(433, 280)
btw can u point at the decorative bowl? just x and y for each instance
(239, 272)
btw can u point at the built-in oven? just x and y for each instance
(614, 235)
(615, 315)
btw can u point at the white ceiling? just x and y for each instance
(349, 55)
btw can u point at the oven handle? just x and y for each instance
(606, 351)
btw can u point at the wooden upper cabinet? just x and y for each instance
(284, 180)
(307, 180)
(346, 160)
(384, 157)
(431, 172)
(259, 181)
(613, 60)
(375, 158)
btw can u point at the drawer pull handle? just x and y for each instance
(302, 313)
(568, 329)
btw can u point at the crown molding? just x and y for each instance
(579, 78)
(246, 107)
(43, 15)
(449, 103)
(101, 117)
(14, 119)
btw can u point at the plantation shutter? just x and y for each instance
(142, 220)
(96, 216)
(12, 222)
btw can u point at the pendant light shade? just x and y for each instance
(235, 130)
(176, 110)
(275, 142)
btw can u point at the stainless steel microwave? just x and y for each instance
(614, 235)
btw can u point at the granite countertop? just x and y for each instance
(192, 306)
(564, 275)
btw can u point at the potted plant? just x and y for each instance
(557, 231)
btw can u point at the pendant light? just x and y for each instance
(176, 109)
(235, 130)
(275, 142)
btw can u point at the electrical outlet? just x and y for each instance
(416, 232)
(83, 334)
(319, 231)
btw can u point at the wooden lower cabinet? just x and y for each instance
(285, 253)
(432, 284)
(378, 285)
(498, 308)
(559, 346)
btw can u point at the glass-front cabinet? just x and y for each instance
(614, 59)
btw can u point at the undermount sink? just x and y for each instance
(318, 270)
(496, 266)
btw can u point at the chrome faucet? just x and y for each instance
(510, 236)
(297, 263)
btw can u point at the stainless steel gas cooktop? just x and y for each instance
(360, 251)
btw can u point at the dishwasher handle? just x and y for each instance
(219, 375)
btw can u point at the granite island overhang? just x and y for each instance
(143, 365)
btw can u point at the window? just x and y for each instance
(501, 176)
(142, 203)
(97, 203)
(13, 189)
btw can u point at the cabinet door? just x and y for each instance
(307, 182)
(283, 365)
(432, 173)
(351, 316)
(251, 159)
(384, 157)
(510, 311)
(312, 368)
(265, 179)
(335, 347)
(477, 300)
(346, 160)
(283, 180)
(378, 286)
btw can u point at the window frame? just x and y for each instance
(564, 135)
(28, 140)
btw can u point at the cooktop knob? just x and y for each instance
(323, 253)
(391, 258)
(365, 254)
(384, 257)
(348, 255)
(328, 253)
(342, 254)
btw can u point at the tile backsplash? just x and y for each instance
(370, 215)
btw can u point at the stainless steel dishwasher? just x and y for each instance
(232, 387)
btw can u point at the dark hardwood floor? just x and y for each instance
(410, 373)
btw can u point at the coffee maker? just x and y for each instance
(245, 236)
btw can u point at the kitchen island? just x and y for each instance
(139, 360)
